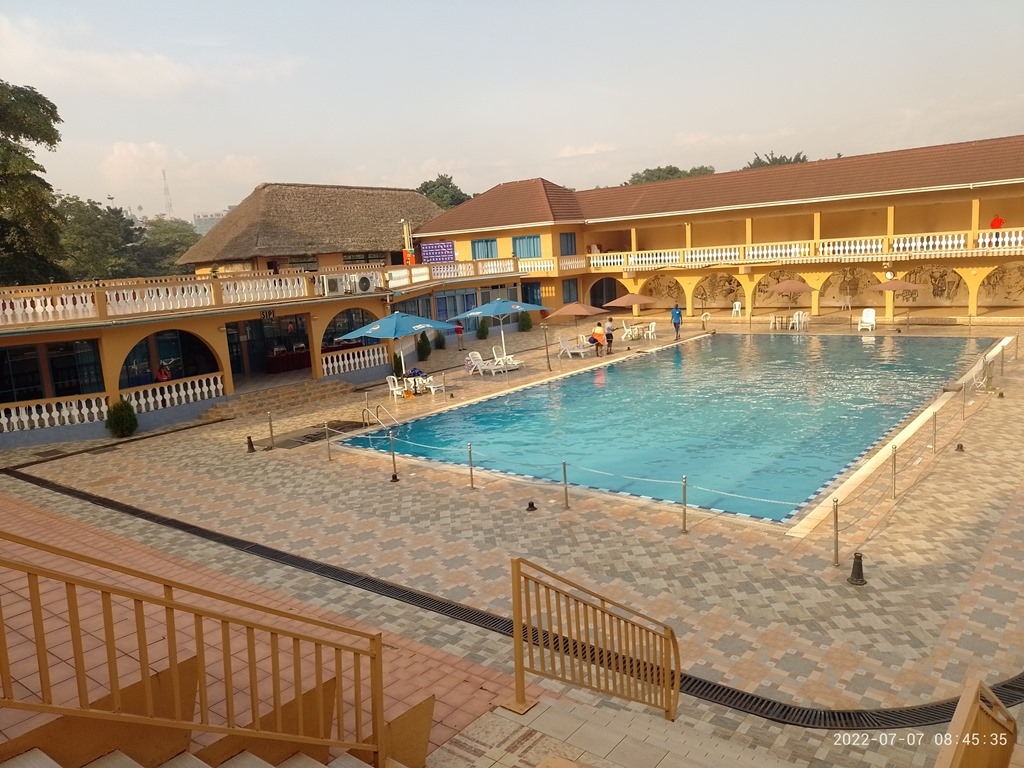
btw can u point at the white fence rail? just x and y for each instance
(57, 412)
(357, 359)
(168, 394)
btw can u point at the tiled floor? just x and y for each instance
(753, 607)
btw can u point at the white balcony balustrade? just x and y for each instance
(168, 394)
(357, 359)
(55, 412)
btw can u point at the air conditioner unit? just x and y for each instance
(335, 285)
(365, 283)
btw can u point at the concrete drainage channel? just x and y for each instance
(1010, 692)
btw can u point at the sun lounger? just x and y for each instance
(568, 349)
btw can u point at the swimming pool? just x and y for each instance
(758, 424)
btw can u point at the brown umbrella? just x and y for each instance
(575, 310)
(791, 286)
(896, 285)
(632, 300)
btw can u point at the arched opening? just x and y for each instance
(604, 290)
(666, 290)
(344, 322)
(717, 291)
(166, 355)
(846, 289)
(768, 296)
(1003, 288)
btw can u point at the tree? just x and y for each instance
(163, 241)
(29, 231)
(97, 240)
(443, 192)
(771, 159)
(664, 172)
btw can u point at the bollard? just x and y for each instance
(251, 448)
(270, 423)
(531, 507)
(470, 445)
(565, 484)
(835, 531)
(684, 505)
(857, 572)
(394, 465)
(894, 471)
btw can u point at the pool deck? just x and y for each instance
(754, 607)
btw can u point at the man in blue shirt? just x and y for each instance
(677, 318)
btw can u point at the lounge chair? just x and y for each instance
(479, 365)
(506, 359)
(983, 375)
(569, 349)
(396, 388)
(867, 320)
(433, 386)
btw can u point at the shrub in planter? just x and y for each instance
(423, 346)
(525, 321)
(121, 419)
(439, 341)
(484, 329)
(396, 364)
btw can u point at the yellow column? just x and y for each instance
(890, 227)
(972, 241)
(632, 239)
(817, 237)
(689, 235)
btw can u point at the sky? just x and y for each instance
(222, 96)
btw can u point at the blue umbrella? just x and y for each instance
(395, 326)
(501, 309)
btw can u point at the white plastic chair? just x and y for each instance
(867, 319)
(396, 388)
(433, 386)
(737, 309)
(651, 332)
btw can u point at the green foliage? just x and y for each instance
(162, 243)
(121, 419)
(484, 329)
(29, 233)
(423, 347)
(443, 192)
(396, 364)
(96, 239)
(772, 159)
(664, 172)
(525, 321)
(439, 340)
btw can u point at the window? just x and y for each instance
(567, 244)
(570, 291)
(485, 249)
(19, 375)
(531, 293)
(527, 247)
(75, 368)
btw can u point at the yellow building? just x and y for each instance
(923, 215)
(293, 267)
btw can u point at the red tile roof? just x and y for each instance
(538, 201)
(533, 201)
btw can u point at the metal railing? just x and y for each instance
(253, 663)
(564, 631)
(982, 733)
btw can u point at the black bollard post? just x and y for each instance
(251, 448)
(857, 574)
(531, 507)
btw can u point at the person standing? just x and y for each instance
(677, 318)
(458, 334)
(997, 224)
(598, 338)
(609, 335)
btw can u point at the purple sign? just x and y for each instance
(436, 253)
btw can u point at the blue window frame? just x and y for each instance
(526, 247)
(485, 249)
(570, 290)
(567, 244)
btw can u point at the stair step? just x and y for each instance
(347, 760)
(185, 760)
(34, 758)
(113, 759)
(245, 760)
(303, 761)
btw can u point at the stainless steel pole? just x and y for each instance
(835, 531)
(684, 505)
(470, 445)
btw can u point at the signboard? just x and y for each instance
(267, 314)
(436, 253)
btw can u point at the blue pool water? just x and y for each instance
(757, 424)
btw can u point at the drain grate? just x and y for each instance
(1010, 692)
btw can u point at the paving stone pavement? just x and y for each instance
(753, 608)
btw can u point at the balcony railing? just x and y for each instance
(102, 299)
(851, 249)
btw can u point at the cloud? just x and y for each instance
(73, 57)
(590, 149)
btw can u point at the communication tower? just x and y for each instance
(168, 208)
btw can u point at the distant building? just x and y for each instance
(203, 222)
